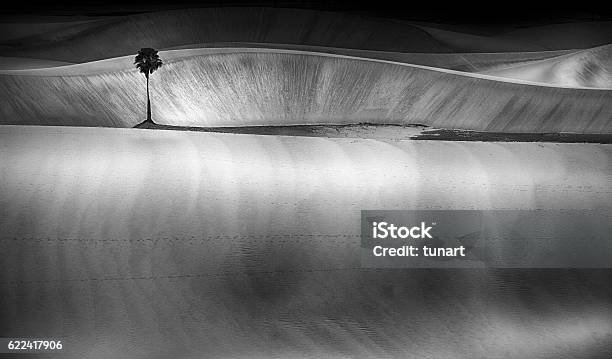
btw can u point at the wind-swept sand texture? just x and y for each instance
(282, 87)
(586, 68)
(468, 62)
(136, 243)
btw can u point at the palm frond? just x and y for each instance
(147, 61)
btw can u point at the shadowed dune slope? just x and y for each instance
(468, 42)
(189, 245)
(122, 35)
(20, 63)
(589, 68)
(577, 35)
(272, 88)
(20, 30)
(564, 35)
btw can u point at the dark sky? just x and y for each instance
(503, 11)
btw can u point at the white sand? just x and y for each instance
(143, 243)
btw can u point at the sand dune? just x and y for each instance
(562, 36)
(589, 68)
(466, 42)
(122, 35)
(200, 245)
(156, 244)
(20, 29)
(262, 25)
(267, 87)
(20, 63)
(467, 62)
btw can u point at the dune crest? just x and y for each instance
(586, 68)
(120, 35)
(252, 88)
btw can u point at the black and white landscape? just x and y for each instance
(229, 225)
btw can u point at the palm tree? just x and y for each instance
(147, 61)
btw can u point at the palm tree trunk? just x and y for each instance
(148, 102)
